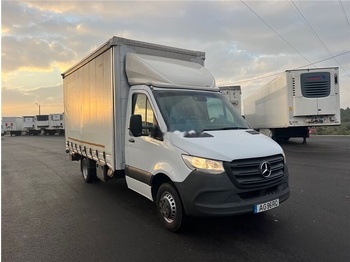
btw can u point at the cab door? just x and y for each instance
(141, 150)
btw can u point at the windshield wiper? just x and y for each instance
(233, 128)
(223, 128)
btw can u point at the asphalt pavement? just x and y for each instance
(49, 214)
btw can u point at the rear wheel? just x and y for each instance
(88, 170)
(169, 208)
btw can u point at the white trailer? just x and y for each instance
(151, 114)
(56, 124)
(29, 126)
(13, 125)
(233, 94)
(41, 123)
(3, 132)
(294, 101)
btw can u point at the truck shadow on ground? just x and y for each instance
(136, 205)
(232, 226)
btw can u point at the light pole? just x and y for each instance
(39, 108)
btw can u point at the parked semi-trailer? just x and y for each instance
(29, 126)
(41, 123)
(152, 114)
(13, 125)
(294, 101)
(56, 124)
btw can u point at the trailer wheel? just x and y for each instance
(169, 208)
(51, 132)
(87, 170)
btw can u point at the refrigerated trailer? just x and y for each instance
(56, 124)
(294, 101)
(41, 123)
(153, 115)
(29, 126)
(13, 125)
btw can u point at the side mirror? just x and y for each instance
(135, 125)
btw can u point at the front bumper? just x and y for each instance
(205, 194)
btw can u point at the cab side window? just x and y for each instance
(142, 106)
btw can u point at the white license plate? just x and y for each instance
(266, 206)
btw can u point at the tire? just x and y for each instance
(169, 208)
(272, 134)
(88, 172)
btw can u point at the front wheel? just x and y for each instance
(169, 208)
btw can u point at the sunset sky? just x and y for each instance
(247, 43)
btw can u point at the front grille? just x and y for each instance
(315, 85)
(245, 173)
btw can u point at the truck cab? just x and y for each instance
(194, 141)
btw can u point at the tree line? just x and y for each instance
(343, 129)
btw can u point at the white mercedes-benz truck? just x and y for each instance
(294, 101)
(152, 114)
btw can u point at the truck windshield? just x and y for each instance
(199, 111)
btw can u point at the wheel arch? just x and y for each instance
(157, 181)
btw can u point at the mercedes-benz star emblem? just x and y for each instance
(265, 169)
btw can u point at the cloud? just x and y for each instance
(81, 27)
(47, 94)
(34, 40)
(17, 102)
(32, 54)
(240, 42)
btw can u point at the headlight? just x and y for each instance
(202, 164)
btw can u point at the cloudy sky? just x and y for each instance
(247, 43)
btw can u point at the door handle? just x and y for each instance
(131, 140)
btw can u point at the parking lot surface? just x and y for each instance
(49, 214)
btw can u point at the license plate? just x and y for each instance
(266, 206)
